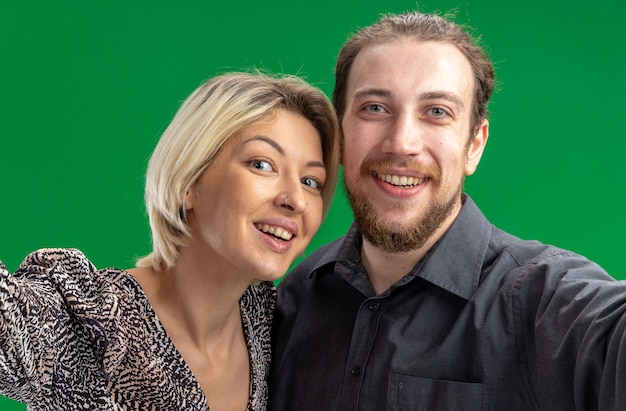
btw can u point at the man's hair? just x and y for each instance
(419, 27)
(215, 112)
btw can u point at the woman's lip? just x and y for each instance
(276, 244)
(277, 222)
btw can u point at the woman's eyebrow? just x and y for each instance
(267, 140)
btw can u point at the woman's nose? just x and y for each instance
(292, 201)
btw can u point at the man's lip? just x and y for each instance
(400, 172)
(399, 179)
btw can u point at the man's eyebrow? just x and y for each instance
(443, 95)
(372, 91)
(280, 150)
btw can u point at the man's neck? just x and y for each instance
(385, 268)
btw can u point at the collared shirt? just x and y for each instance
(484, 321)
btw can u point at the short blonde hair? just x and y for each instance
(216, 111)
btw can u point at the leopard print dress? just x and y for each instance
(76, 338)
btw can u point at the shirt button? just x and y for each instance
(356, 371)
(373, 305)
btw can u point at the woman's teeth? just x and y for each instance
(275, 231)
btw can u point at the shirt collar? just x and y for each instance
(454, 263)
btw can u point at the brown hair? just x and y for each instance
(418, 27)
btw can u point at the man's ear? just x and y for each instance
(341, 140)
(476, 147)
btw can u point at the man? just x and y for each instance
(423, 304)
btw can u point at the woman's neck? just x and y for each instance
(199, 310)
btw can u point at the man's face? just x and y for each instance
(407, 141)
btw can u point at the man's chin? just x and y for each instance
(397, 228)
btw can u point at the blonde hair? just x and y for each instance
(216, 111)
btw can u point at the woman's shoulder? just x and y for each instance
(105, 300)
(68, 272)
(260, 296)
(257, 306)
(49, 260)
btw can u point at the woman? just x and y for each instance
(236, 188)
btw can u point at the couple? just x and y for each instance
(423, 304)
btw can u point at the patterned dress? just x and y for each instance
(76, 338)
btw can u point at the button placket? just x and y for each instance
(364, 335)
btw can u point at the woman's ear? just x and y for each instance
(187, 201)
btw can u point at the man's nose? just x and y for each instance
(404, 137)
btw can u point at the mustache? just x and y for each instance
(381, 165)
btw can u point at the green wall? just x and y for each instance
(87, 87)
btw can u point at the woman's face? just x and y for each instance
(258, 205)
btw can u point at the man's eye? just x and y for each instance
(438, 112)
(262, 165)
(375, 108)
(312, 182)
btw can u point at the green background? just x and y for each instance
(86, 88)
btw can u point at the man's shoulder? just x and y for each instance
(529, 252)
(508, 251)
(531, 261)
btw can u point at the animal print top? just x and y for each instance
(76, 338)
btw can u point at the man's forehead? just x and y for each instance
(422, 68)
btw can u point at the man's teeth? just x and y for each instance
(403, 181)
(275, 231)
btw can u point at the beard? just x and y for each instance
(376, 230)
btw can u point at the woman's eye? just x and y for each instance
(261, 165)
(312, 182)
